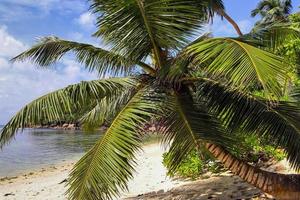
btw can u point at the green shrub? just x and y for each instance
(251, 149)
(254, 148)
(191, 167)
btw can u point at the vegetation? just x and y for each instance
(272, 11)
(200, 89)
(193, 165)
(251, 150)
(290, 50)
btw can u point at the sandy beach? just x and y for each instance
(150, 182)
(49, 183)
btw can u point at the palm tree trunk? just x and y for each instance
(281, 186)
(231, 21)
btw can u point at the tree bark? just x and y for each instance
(281, 186)
(231, 21)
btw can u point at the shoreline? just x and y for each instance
(31, 151)
(41, 168)
(49, 182)
(149, 183)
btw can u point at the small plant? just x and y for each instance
(251, 150)
(193, 166)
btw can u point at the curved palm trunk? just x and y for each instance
(231, 21)
(281, 186)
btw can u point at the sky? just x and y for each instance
(22, 22)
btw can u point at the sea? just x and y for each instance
(34, 149)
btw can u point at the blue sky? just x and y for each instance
(23, 21)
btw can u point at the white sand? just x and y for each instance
(150, 183)
(46, 183)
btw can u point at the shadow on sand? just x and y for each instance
(223, 187)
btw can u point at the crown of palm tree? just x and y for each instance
(200, 90)
(272, 10)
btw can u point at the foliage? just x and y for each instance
(251, 149)
(199, 90)
(191, 167)
(122, 131)
(235, 56)
(272, 10)
(290, 50)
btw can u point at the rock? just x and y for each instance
(65, 125)
(71, 127)
(212, 196)
(160, 191)
(9, 194)
(63, 181)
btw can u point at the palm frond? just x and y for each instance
(241, 64)
(183, 62)
(51, 49)
(188, 127)
(214, 6)
(241, 111)
(105, 169)
(255, 12)
(106, 109)
(274, 35)
(152, 25)
(54, 106)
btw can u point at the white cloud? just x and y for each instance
(23, 8)
(32, 3)
(48, 4)
(245, 26)
(9, 46)
(76, 36)
(20, 83)
(86, 20)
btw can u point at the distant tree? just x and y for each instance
(272, 10)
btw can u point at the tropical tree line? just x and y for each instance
(200, 88)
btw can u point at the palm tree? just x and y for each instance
(200, 90)
(272, 10)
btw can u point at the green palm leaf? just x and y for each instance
(272, 10)
(275, 35)
(54, 106)
(241, 64)
(214, 6)
(247, 113)
(106, 109)
(183, 62)
(152, 25)
(189, 126)
(107, 167)
(51, 49)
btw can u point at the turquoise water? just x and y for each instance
(34, 149)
